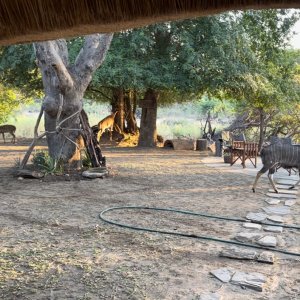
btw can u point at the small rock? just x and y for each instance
(210, 296)
(278, 210)
(268, 241)
(276, 219)
(252, 226)
(223, 274)
(266, 257)
(272, 201)
(20, 178)
(248, 236)
(92, 175)
(273, 228)
(290, 202)
(251, 280)
(258, 217)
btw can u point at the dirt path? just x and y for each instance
(53, 245)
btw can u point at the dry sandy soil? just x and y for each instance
(54, 246)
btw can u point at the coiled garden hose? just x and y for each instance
(209, 238)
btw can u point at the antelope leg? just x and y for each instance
(270, 176)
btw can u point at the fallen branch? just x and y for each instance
(31, 147)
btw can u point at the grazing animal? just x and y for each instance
(8, 129)
(278, 155)
(76, 159)
(106, 123)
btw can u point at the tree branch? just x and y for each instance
(38, 122)
(92, 54)
(98, 91)
(50, 54)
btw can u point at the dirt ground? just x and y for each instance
(54, 246)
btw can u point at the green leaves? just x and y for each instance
(8, 102)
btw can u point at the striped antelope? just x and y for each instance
(8, 129)
(278, 155)
(106, 123)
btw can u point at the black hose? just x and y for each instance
(101, 216)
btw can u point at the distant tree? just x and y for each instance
(270, 84)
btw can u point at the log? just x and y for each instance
(180, 144)
(201, 144)
(91, 143)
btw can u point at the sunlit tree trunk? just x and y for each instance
(130, 108)
(118, 105)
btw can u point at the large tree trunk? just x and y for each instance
(130, 108)
(118, 105)
(64, 86)
(148, 134)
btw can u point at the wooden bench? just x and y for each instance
(244, 150)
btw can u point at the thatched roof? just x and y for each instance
(33, 20)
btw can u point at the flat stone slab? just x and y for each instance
(210, 296)
(268, 241)
(223, 274)
(248, 254)
(250, 280)
(248, 236)
(277, 210)
(238, 253)
(290, 202)
(269, 228)
(266, 257)
(286, 181)
(286, 187)
(252, 226)
(258, 217)
(275, 195)
(276, 219)
(272, 201)
(285, 191)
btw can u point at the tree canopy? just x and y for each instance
(238, 56)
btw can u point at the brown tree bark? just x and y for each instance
(118, 105)
(148, 133)
(64, 86)
(130, 107)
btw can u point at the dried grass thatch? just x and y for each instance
(33, 20)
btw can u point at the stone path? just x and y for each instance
(277, 208)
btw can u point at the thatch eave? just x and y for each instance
(37, 20)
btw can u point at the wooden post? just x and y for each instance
(91, 143)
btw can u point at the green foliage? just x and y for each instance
(8, 103)
(18, 69)
(86, 161)
(42, 161)
(180, 59)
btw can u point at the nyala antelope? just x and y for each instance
(278, 155)
(106, 123)
(8, 129)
